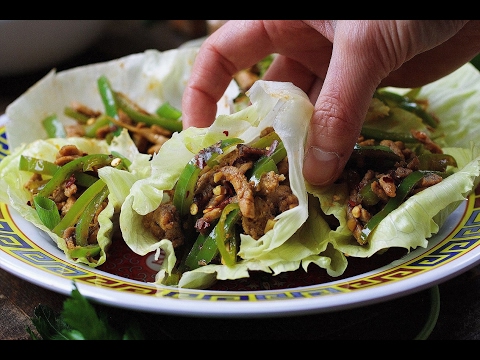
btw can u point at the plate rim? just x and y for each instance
(256, 303)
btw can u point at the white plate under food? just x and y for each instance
(125, 280)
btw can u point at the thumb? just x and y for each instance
(337, 120)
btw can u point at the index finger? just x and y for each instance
(235, 46)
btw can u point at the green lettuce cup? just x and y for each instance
(149, 79)
(17, 173)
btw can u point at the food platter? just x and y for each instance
(126, 279)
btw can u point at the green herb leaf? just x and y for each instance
(79, 320)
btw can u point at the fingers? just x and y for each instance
(339, 112)
(460, 46)
(240, 44)
(218, 60)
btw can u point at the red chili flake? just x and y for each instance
(70, 181)
(352, 203)
(225, 132)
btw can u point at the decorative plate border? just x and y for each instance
(464, 238)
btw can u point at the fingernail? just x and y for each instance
(322, 166)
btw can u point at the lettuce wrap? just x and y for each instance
(150, 79)
(13, 189)
(454, 100)
(294, 238)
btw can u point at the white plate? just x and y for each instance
(31, 255)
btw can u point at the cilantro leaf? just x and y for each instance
(79, 320)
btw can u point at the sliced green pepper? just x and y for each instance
(367, 195)
(78, 208)
(74, 114)
(202, 252)
(185, 187)
(402, 191)
(168, 111)
(54, 127)
(266, 140)
(436, 162)
(84, 163)
(85, 251)
(100, 122)
(47, 211)
(375, 156)
(262, 166)
(44, 167)
(149, 119)
(406, 103)
(225, 234)
(109, 100)
(38, 166)
(267, 163)
(371, 133)
(86, 217)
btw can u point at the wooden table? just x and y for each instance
(400, 318)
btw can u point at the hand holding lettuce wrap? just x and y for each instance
(338, 63)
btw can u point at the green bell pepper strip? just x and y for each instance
(371, 133)
(436, 162)
(367, 195)
(225, 234)
(74, 114)
(222, 239)
(44, 167)
(86, 217)
(100, 122)
(47, 211)
(54, 127)
(407, 104)
(78, 208)
(185, 187)
(85, 251)
(84, 163)
(38, 166)
(109, 100)
(202, 252)
(149, 119)
(376, 156)
(267, 163)
(168, 111)
(262, 166)
(279, 153)
(266, 140)
(402, 191)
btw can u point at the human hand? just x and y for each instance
(338, 63)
